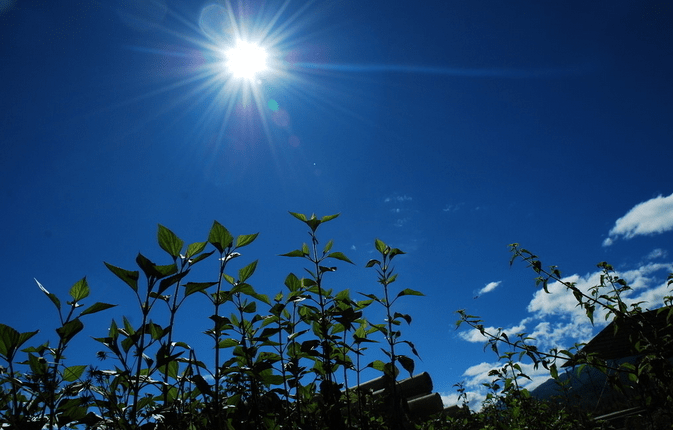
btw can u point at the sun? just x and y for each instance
(246, 60)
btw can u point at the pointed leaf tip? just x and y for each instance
(51, 296)
(169, 242)
(300, 217)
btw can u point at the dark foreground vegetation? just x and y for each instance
(294, 360)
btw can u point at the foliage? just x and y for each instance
(281, 362)
(285, 362)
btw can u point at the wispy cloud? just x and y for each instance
(399, 199)
(476, 336)
(453, 208)
(653, 216)
(657, 253)
(489, 287)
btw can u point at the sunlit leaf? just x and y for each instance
(409, 292)
(166, 283)
(377, 364)
(73, 373)
(169, 242)
(196, 287)
(329, 217)
(51, 296)
(69, 330)
(250, 308)
(195, 248)
(339, 256)
(129, 277)
(245, 239)
(220, 237)
(80, 290)
(295, 253)
(201, 257)
(228, 343)
(299, 216)
(96, 307)
(380, 246)
(247, 271)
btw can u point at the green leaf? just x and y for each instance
(166, 283)
(195, 248)
(329, 217)
(130, 331)
(201, 257)
(113, 331)
(553, 371)
(407, 363)
(96, 307)
(169, 242)
(413, 348)
(339, 256)
(196, 287)
(201, 384)
(148, 267)
(38, 365)
(245, 239)
(377, 364)
(406, 317)
(73, 373)
(313, 223)
(220, 237)
(129, 277)
(328, 247)
(247, 271)
(80, 290)
(11, 340)
(295, 253)
(409, 292)
(227, 343)
(51, 296)
(372, 263)
(380, 246)
(69, 330)
(292, 282)
(250, 308)
(299, 216)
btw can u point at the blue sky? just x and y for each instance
(448, 129)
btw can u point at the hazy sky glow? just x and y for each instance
(447, 129)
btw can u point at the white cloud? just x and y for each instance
(489, 287)
(478, 375)
(474, 335)
(657, 253)
(453, 208)
(404, 198)
(651, 217)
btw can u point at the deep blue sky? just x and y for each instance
(448, 129)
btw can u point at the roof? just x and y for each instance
(617, 340)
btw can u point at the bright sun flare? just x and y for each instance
(246, 60)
